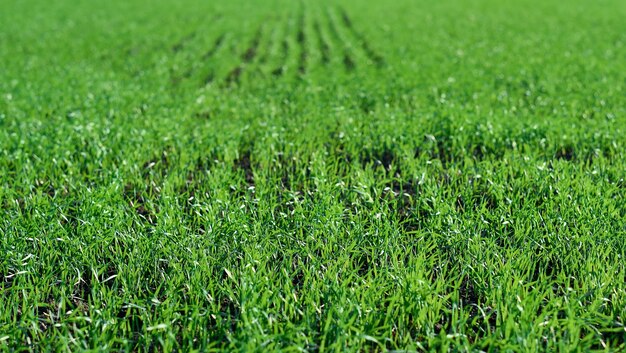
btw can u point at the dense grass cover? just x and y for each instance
(316, 176)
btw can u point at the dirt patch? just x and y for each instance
(234, 76)
(348, 62)
(251, 52)
(566, 153)
(244, 164)
(384, 157)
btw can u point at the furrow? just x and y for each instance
(180, 44)
(302, 43)
(324, 48)
(234, 76)
(219, 41)
(348, 61)
(189, 72)
(252, 50)
(268, 46)
(370, 53)
(284, 51)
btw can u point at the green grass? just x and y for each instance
(320, 176)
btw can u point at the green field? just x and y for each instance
(313, 176)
